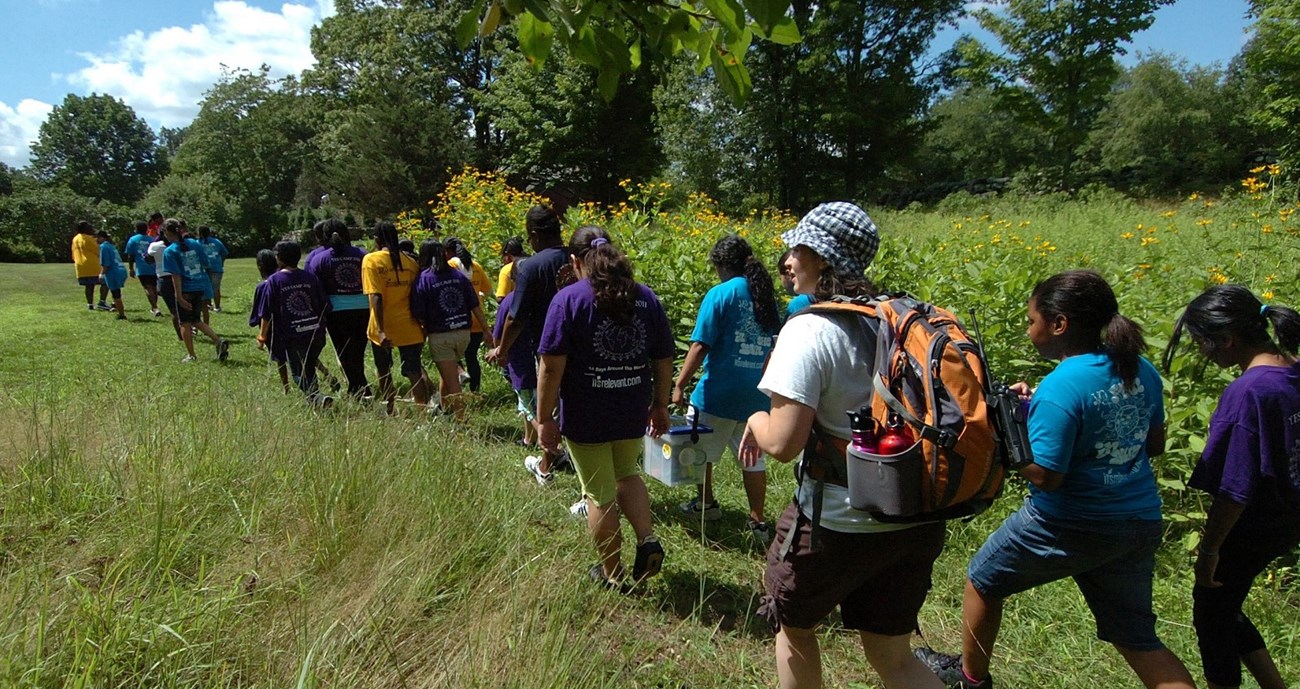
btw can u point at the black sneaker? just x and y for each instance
(223, 350)
(597, 575)
(947, 668)
(649, 559)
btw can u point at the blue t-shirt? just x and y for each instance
(109, 258)
(191, 265)
(738, 348)
(339, 273)
(137, 250)
(798, 303)
(1083, 423)
(217, 254)
(443, 301)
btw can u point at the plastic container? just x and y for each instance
(886, 484)
(677, 458)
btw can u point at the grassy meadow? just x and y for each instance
(170, 525)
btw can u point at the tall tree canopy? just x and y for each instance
(97, 147)
(1058, 63)
(1274, 59)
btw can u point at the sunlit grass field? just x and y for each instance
(190, 525)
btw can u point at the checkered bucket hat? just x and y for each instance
(839, 232)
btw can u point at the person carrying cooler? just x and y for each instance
(1251, 467)
(217, 253)
(387, 275)
(1093, 511)
(112, 274)
(444, 303)
(606, 364)
(877, 574)
(733, 335)
(85, 258)
(293, 310)
(139, 266)
(185, 261)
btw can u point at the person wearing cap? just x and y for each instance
(877, 574)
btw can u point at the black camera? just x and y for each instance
(1011, 416)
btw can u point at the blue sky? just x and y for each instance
(159, 56)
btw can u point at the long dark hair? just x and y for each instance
(333, 233)
(177, 228)
(513, 247)
(608, 270)
(829, 284)
(204, 233)
(733, 254)
(266, 264)
(386, 237)
(1087, 301)
(1233, 310)
(433, 255)
(457, 248)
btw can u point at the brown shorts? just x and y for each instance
(879, 580)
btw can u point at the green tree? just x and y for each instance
(37, 223)
(1168, 128)
(97, 147)
(1273, 58)
(1058, 63)
(248, 144)
(969, 136)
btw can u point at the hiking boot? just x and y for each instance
(948, 669)
(533, 464)
(710, 512)
(579, 509)
(649, 559)
(760, 532)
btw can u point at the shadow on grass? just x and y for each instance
(728, 606)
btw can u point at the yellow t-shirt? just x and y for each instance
(85, 254)
(378, 277)
(506, 280)
(482, 284)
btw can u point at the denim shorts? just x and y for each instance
(1112, 562)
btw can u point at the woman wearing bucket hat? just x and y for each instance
(878, 574)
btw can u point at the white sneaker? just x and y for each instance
(189, 359)
(579, 509)
(533, 464)
(464, 377)
(157, 313)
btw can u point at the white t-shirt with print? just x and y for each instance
(156, 250)
(826, 363)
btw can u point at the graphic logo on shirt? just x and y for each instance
(452, 300)
(751, 341)
(1127, 421)
(614, 342)
(1293, 467)
(347, 274)
(193, 267)
(298, 303)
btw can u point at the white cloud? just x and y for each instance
(162, 74)
(18, 129)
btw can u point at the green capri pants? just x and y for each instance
(600, 466)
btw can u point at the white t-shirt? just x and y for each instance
(827, 363)
(156, 251)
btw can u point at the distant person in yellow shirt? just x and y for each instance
(387, 276)
(85, 256)
(511, 252)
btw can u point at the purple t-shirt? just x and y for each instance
(295, 303)
(605, 392)
(1252, 455)
(521, 362)
(339, 273)
(442, 302)
(255, 312)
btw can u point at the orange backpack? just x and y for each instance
(930, 373)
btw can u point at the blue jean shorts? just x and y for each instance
(1112, 562)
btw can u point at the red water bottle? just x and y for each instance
(897, 437)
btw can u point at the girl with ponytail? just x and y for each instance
(387, 276)
(337, 264)
(606, 363)
(1251, 465)
(732, 338)
(459, 257)
(445, 304)
(1093, 512)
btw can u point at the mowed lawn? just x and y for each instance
(190, 525)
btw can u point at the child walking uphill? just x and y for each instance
(1251, 465)
(607, 362)
(877, 574)
(293, 309)
(445, 304)
(732, 338)
(1093, 512)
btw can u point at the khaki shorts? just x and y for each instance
(448, 346)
